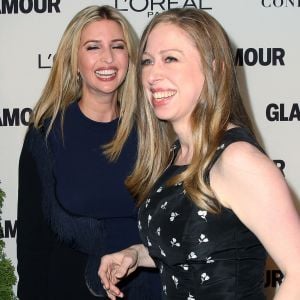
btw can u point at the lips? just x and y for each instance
(106, 74)
(161, 97)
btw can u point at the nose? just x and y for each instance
(153, 73)
(107, 55)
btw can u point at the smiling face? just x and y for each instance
(172, 73)
(102, 58)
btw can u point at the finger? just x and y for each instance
(114, 292)
(104, 280)
(110, 296)
(114, 289)
(114, 279)
(123, 269)
(104, 274)
(111, 287)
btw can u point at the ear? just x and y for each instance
(78, 76)
(214, 65)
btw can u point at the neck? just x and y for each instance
(185, 154)
(99, 110)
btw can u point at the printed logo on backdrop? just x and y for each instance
(15, 116)
(8, 229)
(283, 112)
(45, 61)
(29, 6)
(280, 3)
(260, 56)
(273, 278)
(154, 7)
(280, 165)
(243, 56)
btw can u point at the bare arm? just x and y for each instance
(249, 183)
(119, 265)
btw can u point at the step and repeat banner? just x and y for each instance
(265, 39)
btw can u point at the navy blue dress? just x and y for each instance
(73, 208)
(201, 255)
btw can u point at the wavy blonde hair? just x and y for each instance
(63, 86)
(219, 104)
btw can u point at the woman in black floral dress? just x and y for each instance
(211, 202)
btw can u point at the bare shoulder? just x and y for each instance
(245, 157)
(241, 170)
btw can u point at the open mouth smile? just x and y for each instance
(106, 74)
(162, 95)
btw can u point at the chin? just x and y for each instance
(162, 117)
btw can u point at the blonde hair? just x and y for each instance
(63, 86)
(219, 104)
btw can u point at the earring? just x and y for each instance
(78, 77)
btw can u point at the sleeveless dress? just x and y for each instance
(201, 255)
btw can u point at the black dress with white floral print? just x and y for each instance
(201, 255)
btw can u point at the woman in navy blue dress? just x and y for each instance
(211, 201)
(81, 145)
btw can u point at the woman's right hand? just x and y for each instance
(116, 266)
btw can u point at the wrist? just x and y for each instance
(137, 252)
(143, 258)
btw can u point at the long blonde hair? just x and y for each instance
(219, 104)
(63, 86)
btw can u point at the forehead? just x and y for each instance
(102, 28)
(165, 35)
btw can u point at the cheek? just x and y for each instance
(123, 60)
(144, 78)
(84, 62)
(146, 89)
(195, 82)
(123, 68)
(79, 61)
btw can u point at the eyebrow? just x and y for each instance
(163, 51)
(99, 41)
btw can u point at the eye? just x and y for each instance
(118, 46)
(146, 61)
(170, 59)
(92, 47)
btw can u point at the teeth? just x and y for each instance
(106, 72)
(165, 94)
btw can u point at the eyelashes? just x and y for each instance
(92, 48)
(146, 62)
(118, 47)
(168, 59)
(96, 47)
